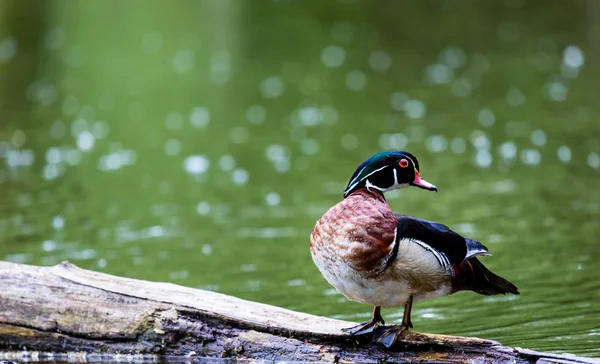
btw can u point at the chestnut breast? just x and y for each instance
(359, 231)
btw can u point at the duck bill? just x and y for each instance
(421, 183)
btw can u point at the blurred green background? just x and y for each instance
(198, 142)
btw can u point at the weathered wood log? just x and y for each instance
(68, 313)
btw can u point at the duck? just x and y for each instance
(374, 256)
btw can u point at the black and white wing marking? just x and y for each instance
(445, 243)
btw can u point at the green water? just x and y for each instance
(198, 142)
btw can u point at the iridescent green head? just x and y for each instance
(387, 171)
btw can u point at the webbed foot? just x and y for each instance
(362, 329)
(367, 327)
(390, 335)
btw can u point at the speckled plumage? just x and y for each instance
(360, 230)
(352, 244)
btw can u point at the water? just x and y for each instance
(198, 143)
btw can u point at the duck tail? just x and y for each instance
(472, 275)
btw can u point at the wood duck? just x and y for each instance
(372, 255)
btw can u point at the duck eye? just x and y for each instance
(403, 163)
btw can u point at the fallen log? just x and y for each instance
(72, 314)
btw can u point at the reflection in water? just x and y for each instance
(202, 150)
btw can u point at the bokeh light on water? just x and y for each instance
(199, 143)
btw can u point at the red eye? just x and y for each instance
(403, 163)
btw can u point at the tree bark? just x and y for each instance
(68, 313)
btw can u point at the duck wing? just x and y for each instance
(439, 237)
(460, 253)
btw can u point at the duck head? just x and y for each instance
(387, 171)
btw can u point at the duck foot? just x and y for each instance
(362, 329)
(367, 327)
(387, 336)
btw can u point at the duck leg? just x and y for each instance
(367, 327)
(391, 334)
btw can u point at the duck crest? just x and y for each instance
(360, 230)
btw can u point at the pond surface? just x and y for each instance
(198, 143)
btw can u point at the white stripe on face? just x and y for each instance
(365, 177)
(413, 162)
